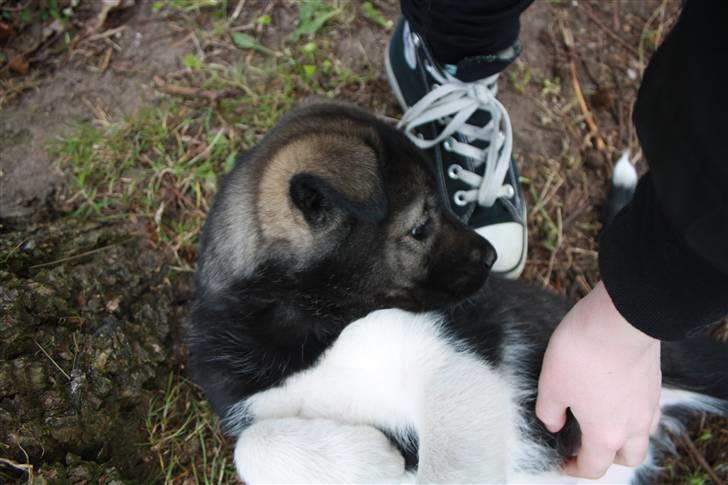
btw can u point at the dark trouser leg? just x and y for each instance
(457, 29)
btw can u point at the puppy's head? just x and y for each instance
(347, 208)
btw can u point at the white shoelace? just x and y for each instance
(453, 102)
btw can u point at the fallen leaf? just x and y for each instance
(245, 41)
(19, 64)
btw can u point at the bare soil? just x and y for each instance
(72, 89)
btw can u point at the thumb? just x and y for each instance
(551, 412)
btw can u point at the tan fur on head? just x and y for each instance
(342, 159)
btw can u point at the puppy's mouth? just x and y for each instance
(422, 298)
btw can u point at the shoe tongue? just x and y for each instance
(471, 69)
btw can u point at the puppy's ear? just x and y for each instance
(311, 196)
(320, 201)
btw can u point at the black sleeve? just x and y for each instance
(664, 259)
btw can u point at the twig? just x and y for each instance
(588, 117)
(568, 38)
(583, 284)
(559, 241)
(701, 459)
(77, 256)
(98, 112)
(189, 92)
(51, 359)
(105, 34)
(587, 10)
(237, 11)
(548, 192)
(206, 152)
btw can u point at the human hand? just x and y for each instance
(608, 373)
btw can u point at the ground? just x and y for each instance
(118, 119)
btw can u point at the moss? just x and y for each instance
(88, 319)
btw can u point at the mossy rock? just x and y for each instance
(90, 322)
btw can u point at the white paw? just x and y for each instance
(288, 450)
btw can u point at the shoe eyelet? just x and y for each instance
(447, 145)
(453, 171)
(510, 191)
(416, 40)
(459, 199)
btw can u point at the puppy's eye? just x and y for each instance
(421, 231)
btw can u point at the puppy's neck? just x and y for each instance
(297, 309)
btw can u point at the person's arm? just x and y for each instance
(664, 259)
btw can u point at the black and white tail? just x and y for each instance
(621, 188)
(695, 379)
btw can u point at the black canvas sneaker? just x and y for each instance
(467, 133)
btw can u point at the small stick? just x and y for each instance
(237, 11)
(701, 459)
(588, 117)
(80, 255)
(105, 34)
(189, 92)
(51, 359)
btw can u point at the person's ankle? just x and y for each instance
(473, 68)
(476, 67)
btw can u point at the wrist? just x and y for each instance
(605, 321)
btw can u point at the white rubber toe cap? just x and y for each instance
(510, 242)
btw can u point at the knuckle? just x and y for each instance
(612, 441)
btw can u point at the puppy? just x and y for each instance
(344, 331)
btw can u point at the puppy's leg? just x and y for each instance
(465, 425)
(296, 450)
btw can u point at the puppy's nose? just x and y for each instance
(483, 254)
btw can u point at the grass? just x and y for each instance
(184, 437)
(161, 166)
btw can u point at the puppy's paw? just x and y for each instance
(289, 450)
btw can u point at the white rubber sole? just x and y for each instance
(516, 272)
(392, 81)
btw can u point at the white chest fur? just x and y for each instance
(396, 371)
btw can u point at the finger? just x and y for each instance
(656, 420)
(552, 413)
(592, 461)
(634, 451)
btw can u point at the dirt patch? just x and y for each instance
(75, 91)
